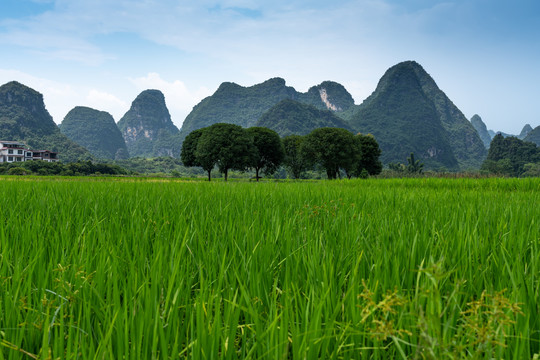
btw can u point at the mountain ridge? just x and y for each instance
(236, 104)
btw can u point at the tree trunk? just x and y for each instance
(330, 174)
(209, 177)
(226, 173)
(257, 174)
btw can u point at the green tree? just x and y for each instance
(270, 152)
(370, 153)
(17, 171)
(331, 148)
(294, 162)
(531, 170)
(414, 166)
(189, 147)
(228, 146)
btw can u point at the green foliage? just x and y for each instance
(17, 171)
(23, 117)
(80, 168)
(164, 164)
(294, 162)
(414, 166)
(189, 146)
(333, 149)
(364, 174)
(397, 167)
(227, 146)
(508, 156)
(369, 158)
(290, 117)
(147, 127)
(96, 131)
(269, 152)
(531, 170)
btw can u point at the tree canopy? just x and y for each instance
(226, 146)
(331, 148)
(189, 147)
(370, 153)
(294, 162)
(270, 152)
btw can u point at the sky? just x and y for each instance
(484, 54)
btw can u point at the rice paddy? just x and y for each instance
(360, 269)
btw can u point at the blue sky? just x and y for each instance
(484, 54)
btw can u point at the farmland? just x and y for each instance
(375, 269)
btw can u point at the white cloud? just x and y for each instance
(179, 99)
(104, 101)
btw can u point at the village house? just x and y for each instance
(17, 151)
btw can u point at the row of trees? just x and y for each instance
(80, 168)
(231, 147)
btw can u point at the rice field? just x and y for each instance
(360, 269)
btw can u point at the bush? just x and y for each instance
(17, 171)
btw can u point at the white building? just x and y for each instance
(17, 151)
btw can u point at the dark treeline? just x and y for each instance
(230, 147)
(82, 168)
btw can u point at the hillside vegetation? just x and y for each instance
(408, 113)
(23, 117)
(96, 131)
(290, 117)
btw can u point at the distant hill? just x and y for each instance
(96, 131)
(409, 113)
(235, 104)
(147, 127)
(482, 130)
(533, 136)
(290, 117)
(23, 117)
(486, 134)
(493, 133)
(525, 131)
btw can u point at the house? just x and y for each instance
(17, 151)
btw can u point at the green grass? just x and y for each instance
(375, 269)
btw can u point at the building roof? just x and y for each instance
(12, 142)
